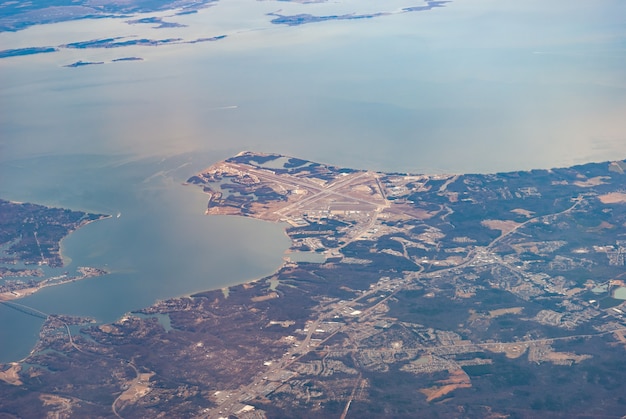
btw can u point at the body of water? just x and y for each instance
(620, 293)
(161, 246)
(476, 86)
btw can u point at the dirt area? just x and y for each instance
(620, 335)
(511, 350)
(604, 226)
(501, 312)
(412, 211)
(453, 196)
(362, 189)
(269, 296)
(523, 212)
(502, 225)
(223, 211)
(139, 388)
(58, 407)
(457, 379)
(573, 291)
(594, 181)
(11, 376)
(565, 358)
(613, 198)
(7, 296)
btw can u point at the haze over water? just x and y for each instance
(477, 86)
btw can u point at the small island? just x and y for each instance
(18, 52)
(16, 16)
(116, 60)
(120, 42)
(83, 63)
(106, 43)
(161, 24)
(304, 18)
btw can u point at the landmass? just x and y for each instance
(186, 12)
(457, 296)
(19, 15)
(13, 289)
(83, 63)
(26, 51)
(117, 42)
(127, 59)
(30, 234)
(304, 18)
(161, 24)
(15, 16)
(209, 39)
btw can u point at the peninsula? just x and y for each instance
(458, 296)
(30, 237)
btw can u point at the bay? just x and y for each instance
(477, 86)
(161, 245)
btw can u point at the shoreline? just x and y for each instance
(25, 289)
(66, 260)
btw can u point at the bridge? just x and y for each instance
(25, 309)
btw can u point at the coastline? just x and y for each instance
(66, 260)
(13, 289)
(21, 290)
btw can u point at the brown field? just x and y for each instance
(613, 198)
(565, 358)
(411, 211)
(603, 226)
(223, 211)
(269, 296)
(11, 376)
(457, 379)
(594, 181)
(56, 405)
(502, 225)
(6, 296)
(511, 350)
(453, 196)
(523, 212)
(620, 336)
(139, 388)
(502, 311)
